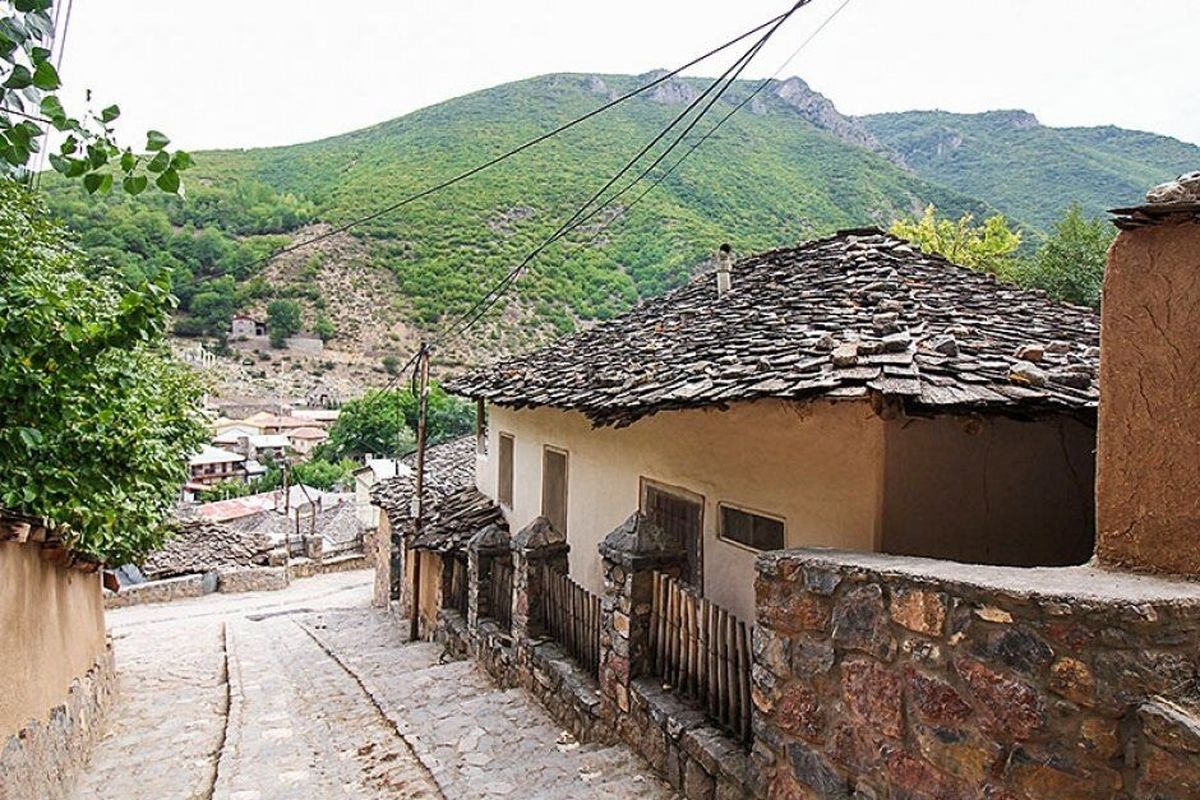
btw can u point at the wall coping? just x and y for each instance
(1081, 584)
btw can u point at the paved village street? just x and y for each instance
(310, 693)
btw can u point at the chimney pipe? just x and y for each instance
(724, 268)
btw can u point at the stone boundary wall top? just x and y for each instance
(890, 676)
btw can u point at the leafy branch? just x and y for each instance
(30, 105)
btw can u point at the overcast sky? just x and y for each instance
(241, 73)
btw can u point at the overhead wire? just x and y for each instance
(342, 228)
(472, 315)
(696, 144)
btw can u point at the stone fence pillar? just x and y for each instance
(631, 554)
(535, 546)
(485, 546)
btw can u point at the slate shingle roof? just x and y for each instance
(449, 468)
(853, 314)
(457, 518)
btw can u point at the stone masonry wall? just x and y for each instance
(41, 761)
(886, 677)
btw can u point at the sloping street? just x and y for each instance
(309, 692)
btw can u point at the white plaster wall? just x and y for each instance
(817, 465)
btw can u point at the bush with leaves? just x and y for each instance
(98, 416)
(990, 247)
(1069, 265)
(283, 320)
(372, 424)
(322, 474)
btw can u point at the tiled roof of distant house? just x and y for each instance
(449, 468)
(310, 433)
(851, 315)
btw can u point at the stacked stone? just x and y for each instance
(858, 314)
(902, 677)
(200, 546)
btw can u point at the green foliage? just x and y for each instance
(990, 247)
(391, 364)
(1069, 265)
(383, 423)
(29, 86)
(323, 328)
(322, 474)
(371, 424)
(97, 414)
(224, 490)
(1028, 171)
(283, 320)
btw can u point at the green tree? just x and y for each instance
(29, 85)
(283, 320)
(322, 474)
(990, 247)
(1069, 265)
(373, 423)
(97, 415)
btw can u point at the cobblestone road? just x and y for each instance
(309, 693)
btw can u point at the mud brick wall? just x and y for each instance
(887, 677)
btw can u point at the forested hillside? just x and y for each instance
(788, 167)
(1027, 170)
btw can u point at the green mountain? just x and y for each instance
(1028, 170)
(786, 168)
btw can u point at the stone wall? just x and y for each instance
(41, 761)
(163, 591)
(889, 677)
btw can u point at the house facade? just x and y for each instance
(848, 393)
(214, 464)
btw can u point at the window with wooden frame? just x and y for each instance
(554, 488)
(680, 514)
(750, 528)
(504, 476)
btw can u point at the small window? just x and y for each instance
(680, 514)
(504, 487)
(751, 529)
(554, 488)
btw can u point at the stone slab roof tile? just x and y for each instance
(809, 321)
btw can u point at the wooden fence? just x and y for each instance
(572, 618)
(703, 652)
(500, 593)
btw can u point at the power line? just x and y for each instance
(516, 150)
(695, 145)
(481, 307)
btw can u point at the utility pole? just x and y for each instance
(418, 506)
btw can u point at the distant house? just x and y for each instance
(374, 471)
(851, 392)
(242, 325)
(214, 464)
(304, 440)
